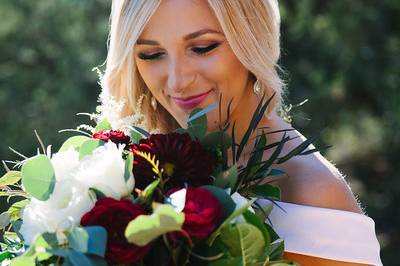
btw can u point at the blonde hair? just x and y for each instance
(250, 26)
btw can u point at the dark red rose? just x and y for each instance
(114, 216)
(184, 160)
(203, 213)
(116, 136)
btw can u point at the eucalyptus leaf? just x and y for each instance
(97, 240)
(79, 259)
(227, 221)
(145, 228)
(103, 125)
(10, 178)
(78, 239)
(5, 219)
(245, 241)
(38, 177)
(215, 138)
(135, 136)
(197, 123)
(267, 191)
(143, 132)
(75, 142)
(228, 205)
(227, 178)
(16, 209)
(47, 241)
(89, 146)
(128, 167)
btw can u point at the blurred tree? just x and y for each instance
(344, 56)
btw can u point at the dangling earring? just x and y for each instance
(153, 103)
(257, 87)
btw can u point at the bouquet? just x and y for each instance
(112, 197)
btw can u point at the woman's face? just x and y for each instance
(186, 62)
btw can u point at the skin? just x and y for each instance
(173, 65)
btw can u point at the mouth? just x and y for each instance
(190, 102)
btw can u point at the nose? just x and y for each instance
(180, 76)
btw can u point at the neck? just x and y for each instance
(242, 116)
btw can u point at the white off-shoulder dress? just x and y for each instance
(325, 233)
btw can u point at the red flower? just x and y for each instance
(183, 160)
(114, 216)
(203, 213)
(116, 136)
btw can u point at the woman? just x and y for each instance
(184, 54)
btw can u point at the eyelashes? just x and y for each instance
(197, 50)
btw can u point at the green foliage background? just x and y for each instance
(343, 56)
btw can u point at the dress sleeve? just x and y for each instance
(325, 233)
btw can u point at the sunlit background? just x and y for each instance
(343, 56)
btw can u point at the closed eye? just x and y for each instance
(205, 50)
(154, 56)
(197, 50)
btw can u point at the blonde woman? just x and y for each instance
(183, 54)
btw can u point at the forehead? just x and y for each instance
(180, 17)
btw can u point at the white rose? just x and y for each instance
(65, 164)
(67, 204)
(104, 170)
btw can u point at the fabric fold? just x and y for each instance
(325, 233)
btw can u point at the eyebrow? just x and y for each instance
(186, 37)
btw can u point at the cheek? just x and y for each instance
(151, 75)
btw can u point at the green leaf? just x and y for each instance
(47, 240)
(135, 136)
(5, 255)
(10, 178)
(215, 138)
(228, 262)
(97, 240)
(78, 239)
(276, 249)
(228, 205)
(38, 177)
(197, 124)
(5, 219)
(23, 261)
(75, 142)
(245, 241)
(227, 221)
(141, 131)
(200, 112)
(276, 172)
(253, 219)
(227, 178)
(145, 228)
(98, 193)
(89, 146)
(79, 259)
(267, 191)
(103, 125)
(16, 209)
(128, 166)
(149, 190)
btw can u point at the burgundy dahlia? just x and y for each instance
(184, 160)
(116, 136)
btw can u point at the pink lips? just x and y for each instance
(190, 102)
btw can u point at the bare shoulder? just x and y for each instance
(315, 181)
